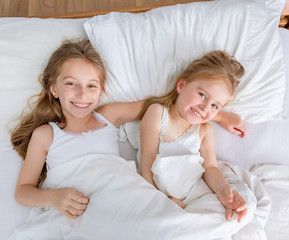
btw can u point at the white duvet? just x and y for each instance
(123, 206)
(275, 178)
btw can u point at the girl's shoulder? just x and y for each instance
(156, 107)
(43, 129)
(155, 110)
(44, 134)
(205, 130)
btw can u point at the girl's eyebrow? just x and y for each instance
(93, 79)
(66, 77)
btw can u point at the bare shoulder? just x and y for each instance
(152, 118)
(155, 109)
(206, 129)
(43, 135)
(43, 130)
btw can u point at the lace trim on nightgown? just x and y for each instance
(165, 123)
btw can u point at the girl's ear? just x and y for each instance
(180, 85)
(53, 91)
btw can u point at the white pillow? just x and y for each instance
(145, 51)
(265, 143)
(25, 47)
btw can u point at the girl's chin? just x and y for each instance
(195, 121)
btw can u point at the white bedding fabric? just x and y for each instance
(153, 47)
(124, 206)
(275, 179)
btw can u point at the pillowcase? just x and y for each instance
(265, 143)
(25, 47)
(145, 52)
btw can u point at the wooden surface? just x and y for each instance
(89, 8)
(66, 8)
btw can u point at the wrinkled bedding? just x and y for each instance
(122, 205)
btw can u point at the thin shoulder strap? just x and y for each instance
(165, 121)
(101, 118)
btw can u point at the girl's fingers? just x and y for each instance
(229, 213)
(242, 214)
(78, 206)
(78, 197)
(241, 207)
(75, 212)
(68, 214)
(238, 133)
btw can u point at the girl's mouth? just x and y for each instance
(81, 105)
(196, 113)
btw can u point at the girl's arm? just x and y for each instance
(121, 112)
(232, 122)
(150, 128)
(229, 197)
(68, 201)
(149, 138)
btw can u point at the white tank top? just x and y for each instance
(67, 146)
(188, 143)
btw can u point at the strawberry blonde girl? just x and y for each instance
(177, 124)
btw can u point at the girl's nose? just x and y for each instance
(81, 92)
(204, 106)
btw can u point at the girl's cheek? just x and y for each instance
(211, 115)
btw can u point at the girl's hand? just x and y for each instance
(177, 201)
(69, 202)
(232, 201)
(232, 122)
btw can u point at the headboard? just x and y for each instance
(284, 19)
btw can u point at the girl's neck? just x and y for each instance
(176, 117)
(80, 125)
(177, 126)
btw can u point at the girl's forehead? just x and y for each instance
(78, 67)
(214, 82)
(217, 89)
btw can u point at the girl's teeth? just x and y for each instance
(196, 113)
(80, 104)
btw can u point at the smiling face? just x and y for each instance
(199, 101)
(78, 88)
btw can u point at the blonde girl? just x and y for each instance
(63, 125)
(177, 123)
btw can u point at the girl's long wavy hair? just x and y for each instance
(47, 108)
(217, 65)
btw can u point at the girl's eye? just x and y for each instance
(69, 83)
(215, 106)
(92, 86)
(203, 95)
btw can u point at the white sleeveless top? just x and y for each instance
(188, 143)
(67, 146)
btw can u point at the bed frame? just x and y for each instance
(284, 19)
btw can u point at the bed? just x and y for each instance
(143, 52)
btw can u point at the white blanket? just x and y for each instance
(123, 206)
(275, 178)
